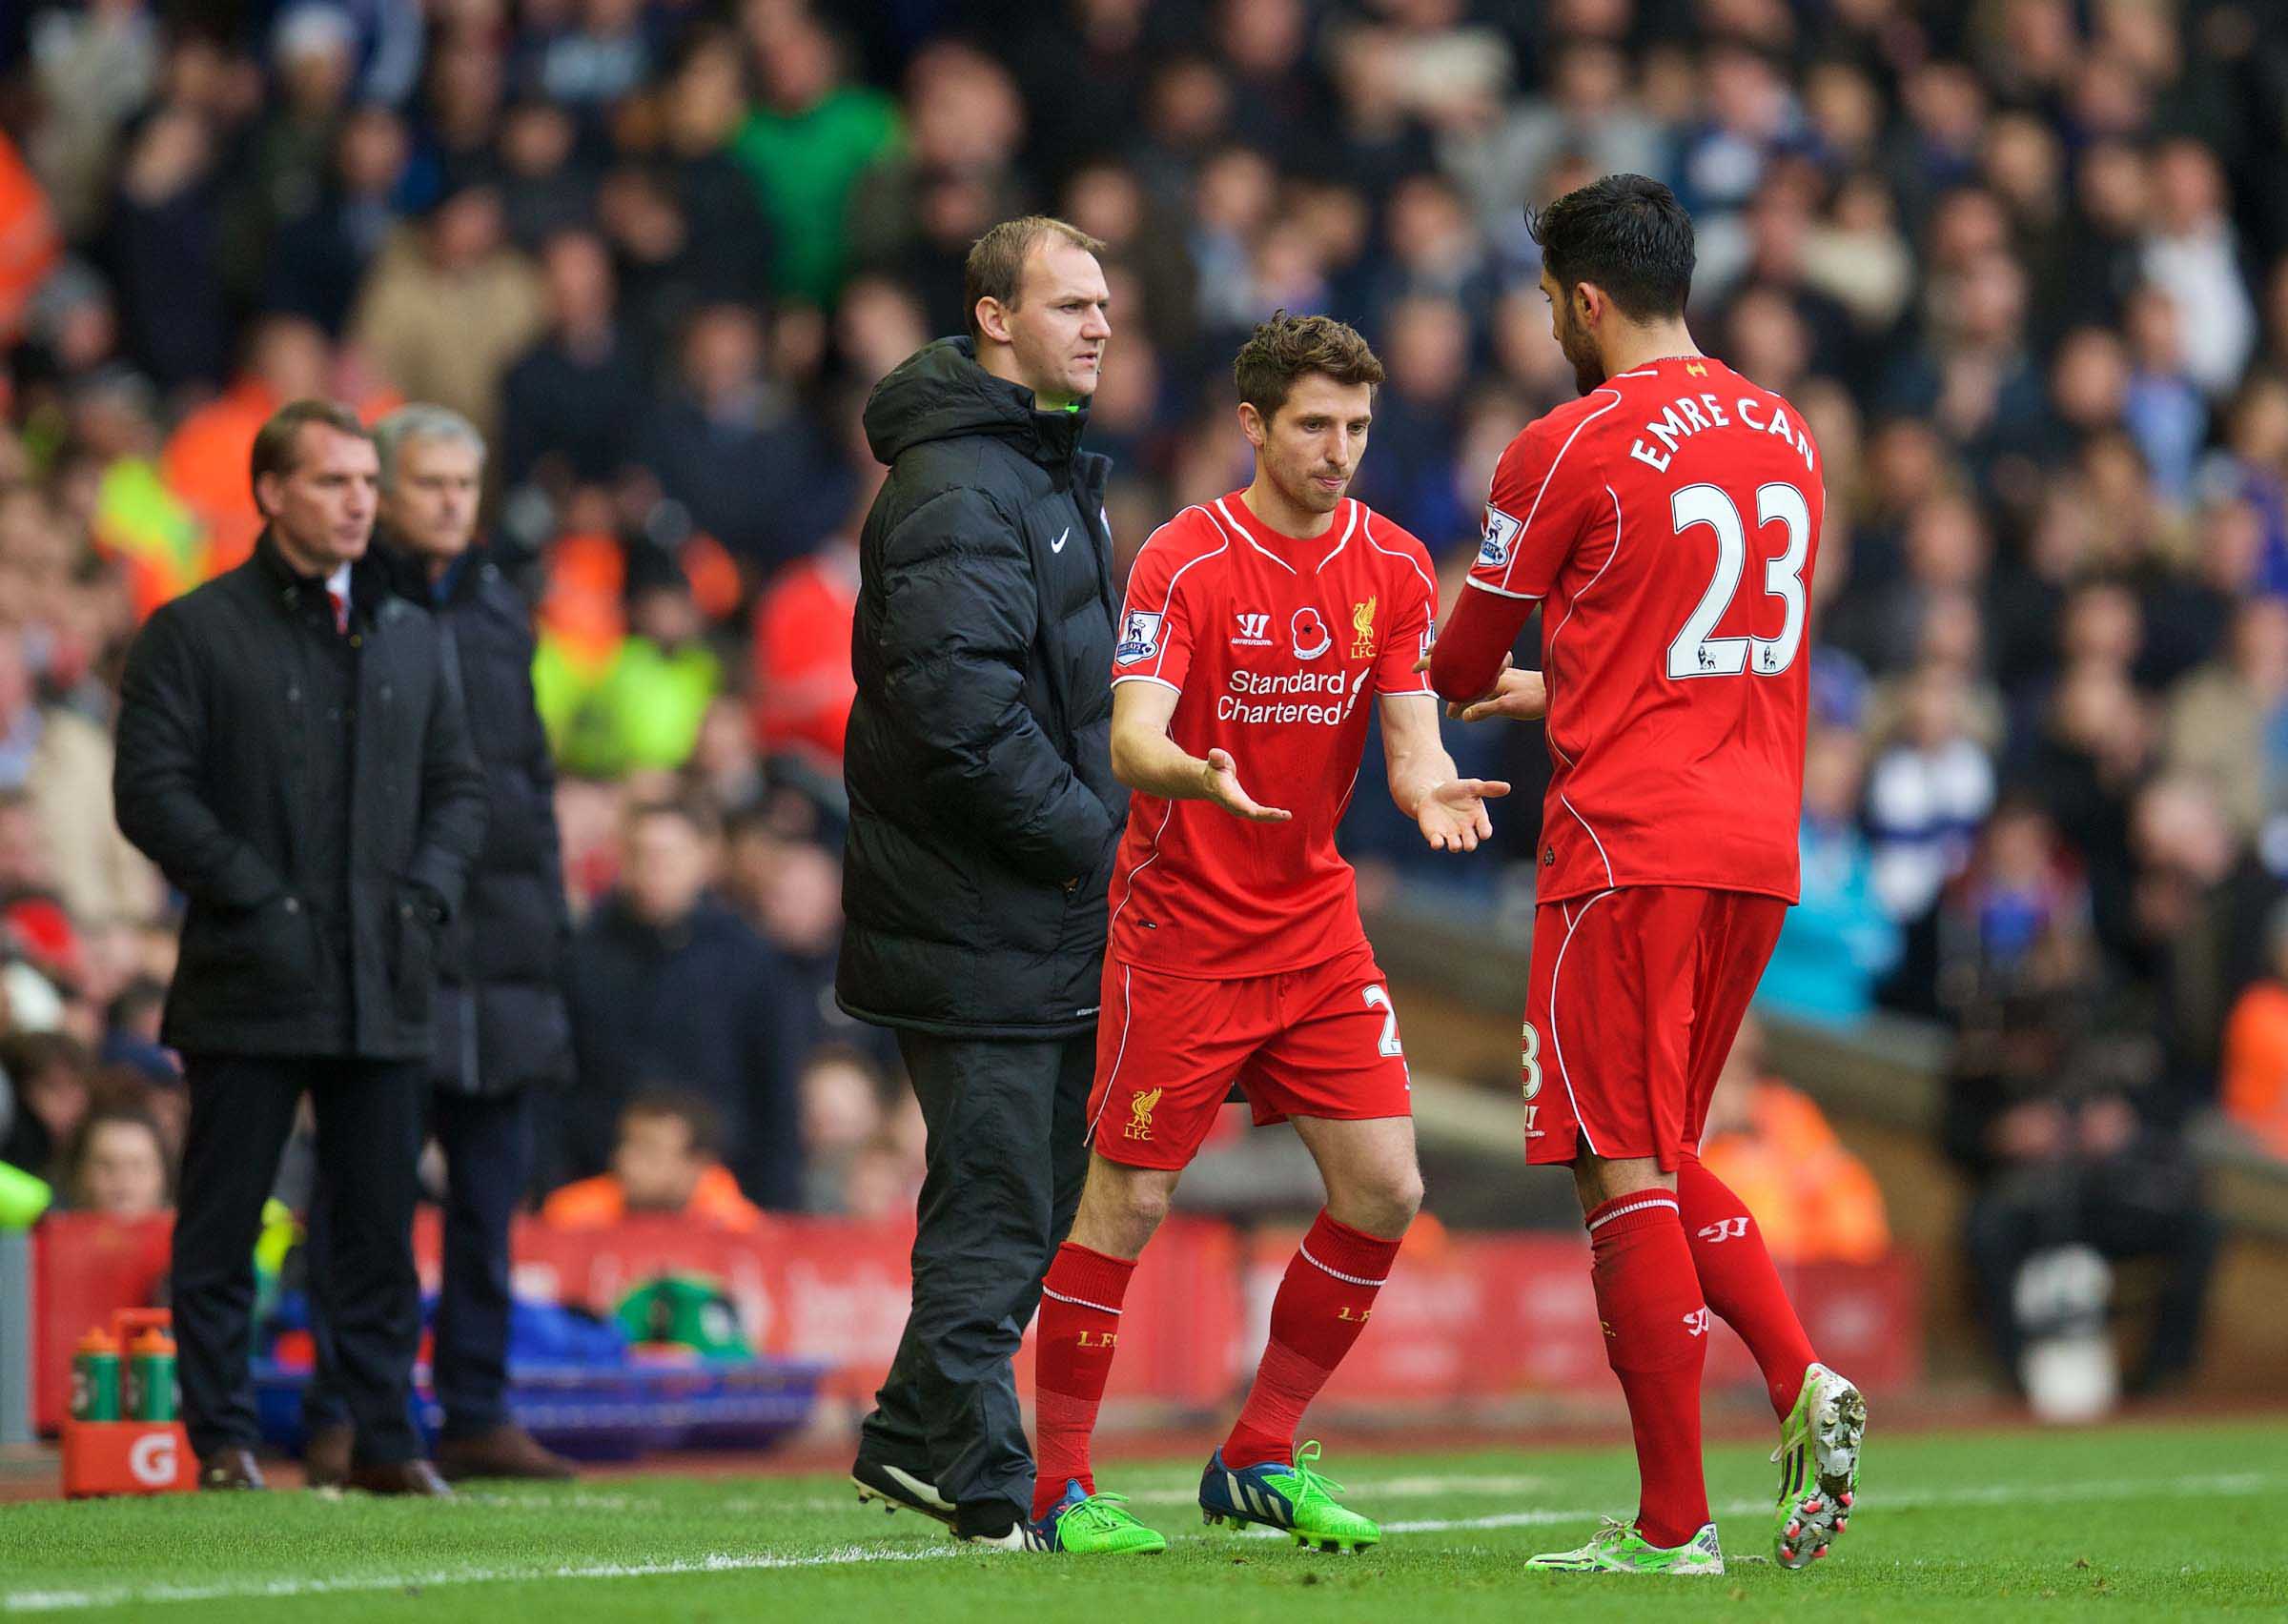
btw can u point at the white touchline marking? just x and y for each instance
(281, 1589)
(288, 1587)
(2121, 1489)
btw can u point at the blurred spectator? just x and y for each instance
(729, 444)
(2201, 899)
(543, 188)
(1501, 154)
(163, 245)
(61, 763)
(32, 247)
(1927, 795)
(48, 1072)
(117, 1164)
(1418, 420)
(918, 206)
(842, 1092)
(450, 306)
(568, 402)
(2162, 405)
(803, 686)
(2016, 925)
(279, 168)
(1813, 1201)
(667, 983)
(2192, 252)
(641, 710)
(806, 142)
(321, 254)
(2227, 722)
(93, 66)
(2093, 753)
(601, 57)
(2044, 1116)
(1838, 942)
(664, 1164)
(701, 107)
(787, 881)
(2255, 1087)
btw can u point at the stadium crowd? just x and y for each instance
(2023, 263)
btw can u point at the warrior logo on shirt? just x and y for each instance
(1254, 630)
(1139, 1113)
(1312, 639)
(1139, 638)
(1362, 623)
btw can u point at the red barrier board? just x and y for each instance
(84, 1267)
(1464, 1317)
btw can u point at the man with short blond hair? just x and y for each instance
(292, 754)
(983, 819)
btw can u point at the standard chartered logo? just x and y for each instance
(1313, 699)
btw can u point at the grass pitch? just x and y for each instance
(2163, 1522)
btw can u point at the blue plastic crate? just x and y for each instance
(614, 1413)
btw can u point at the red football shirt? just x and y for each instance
(1272, 642)
(1666, 524)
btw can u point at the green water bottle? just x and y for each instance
(95, 1377)
(150, 1377)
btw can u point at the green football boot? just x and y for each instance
(1089, 1525)
(1618, 1547)
(1293, 1498)
(1819, 1466)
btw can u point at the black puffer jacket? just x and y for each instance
(500, 1017)
(983, 808)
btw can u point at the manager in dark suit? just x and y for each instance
(292, 753)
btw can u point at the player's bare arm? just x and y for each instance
(1146, 759)
(1449, 809)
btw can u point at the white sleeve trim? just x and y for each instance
(1503, 591)
(1145, 677)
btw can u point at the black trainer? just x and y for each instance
(898, 1487)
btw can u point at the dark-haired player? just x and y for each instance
(1255, 629)
(1666, 525)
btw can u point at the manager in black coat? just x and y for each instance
(983, 818)
(501, 1029)
(294, 755)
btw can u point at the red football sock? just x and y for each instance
(1080, 1328)
(1741, 1285)
(1656, 1338)
(1322, 1307)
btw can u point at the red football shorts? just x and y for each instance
(1636, 997)
(1317, 1042)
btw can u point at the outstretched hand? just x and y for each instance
(1520, 695)
(1221, 782)
(1453, 816)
